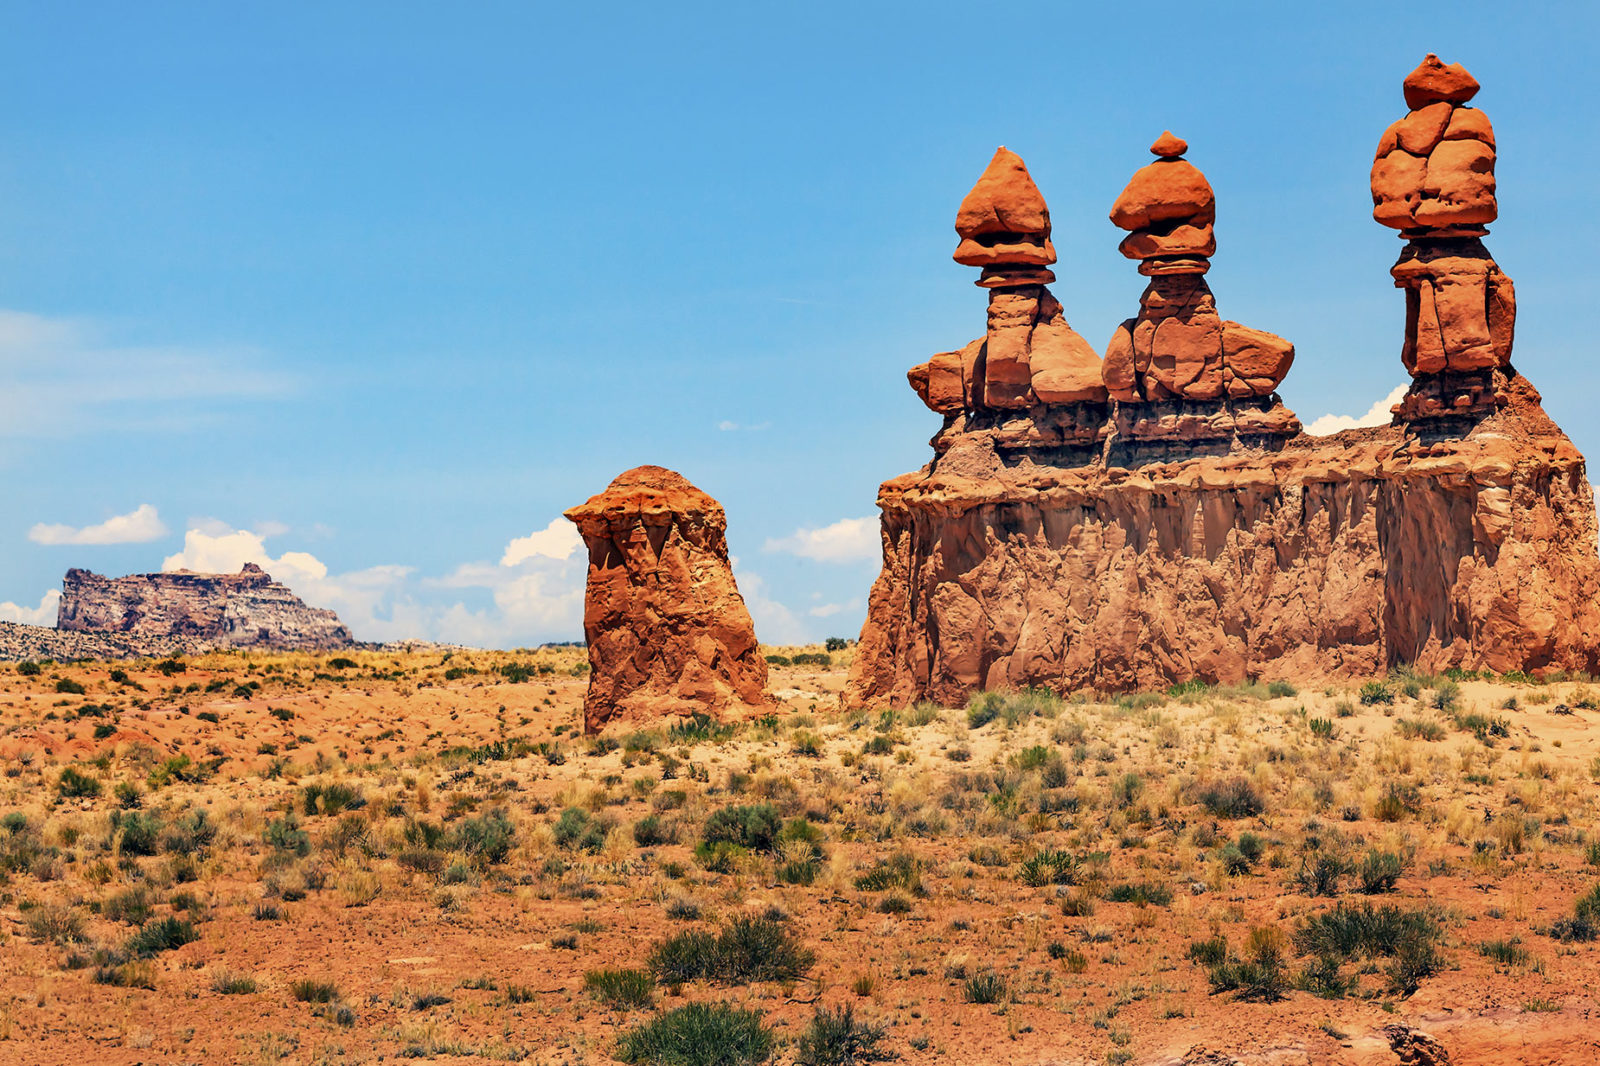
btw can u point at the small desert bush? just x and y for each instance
(621, 989)
(754, 828)
(984, 988)
(1259, 973)
(227, 983)
(1048, 867)
(158, 935)
(1144, 893)
(74, 784)
(1379, 872)
(1233, 798)
(487, 839)
(1584, 925)
(306, 990)
(54, 922)
(699, 1034)
(1376, 692)
(836, 1038)
(901, 870)
(747, 950)
(578, 830)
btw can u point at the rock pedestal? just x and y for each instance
(1433, 180)
(667, 630)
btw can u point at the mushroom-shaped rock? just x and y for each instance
(1168, 208)
(667, 630)
(1004, 220)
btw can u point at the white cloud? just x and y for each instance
(136, 527)
(64, 378)
(727, 426)
(42, 615)
(847, 540)
(828, 610)
(1377, 415)
(774, 622)
(558, 540)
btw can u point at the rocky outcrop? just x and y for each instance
(668, 632)
(19, 642)
(1195, 532)
(243, 610)
(1335, 556)
(1433, 180)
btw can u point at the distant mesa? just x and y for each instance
(198, 611)
(668, 632)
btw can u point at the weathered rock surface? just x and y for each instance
(1179, 348)
(668, 632)
(1029, 358)
(19, 642)
(1336, 556)
(1433, 180)
(243, 610)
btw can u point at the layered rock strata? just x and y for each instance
(668, 632)
(243, 610)
(1337, 556)
(1433, 180)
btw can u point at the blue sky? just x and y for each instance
(372, 292)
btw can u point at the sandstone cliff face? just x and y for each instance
(243, 610)
(668, 632)
(1336, 556)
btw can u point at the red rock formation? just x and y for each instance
(667, 629)
(1179, 348)
(1337, 556)
(243, 610)
(1198, 533)
(1433, 180)
(1029, 358)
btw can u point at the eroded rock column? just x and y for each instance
(668, 632)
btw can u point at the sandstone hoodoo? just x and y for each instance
(243, 610)
(1178, 370)
(1433, 180)
(668, 632)
(1188, 528)
(1029, 360)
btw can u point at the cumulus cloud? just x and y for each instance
(136, 527)
(65, 377)
(558, 540)
(1377, 415)
(534, 594)
(42, 615)
(845, 541)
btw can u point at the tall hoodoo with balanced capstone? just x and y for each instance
(1178, 348)
(1433, 180)
(1029, 359)
(668, 632)
(1184, 527)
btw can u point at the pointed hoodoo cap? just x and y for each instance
(1169, 147)
(1004, 222)
(1435, 81)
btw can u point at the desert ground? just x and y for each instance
(371, 856)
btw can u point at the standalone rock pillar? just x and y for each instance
(668, 632)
